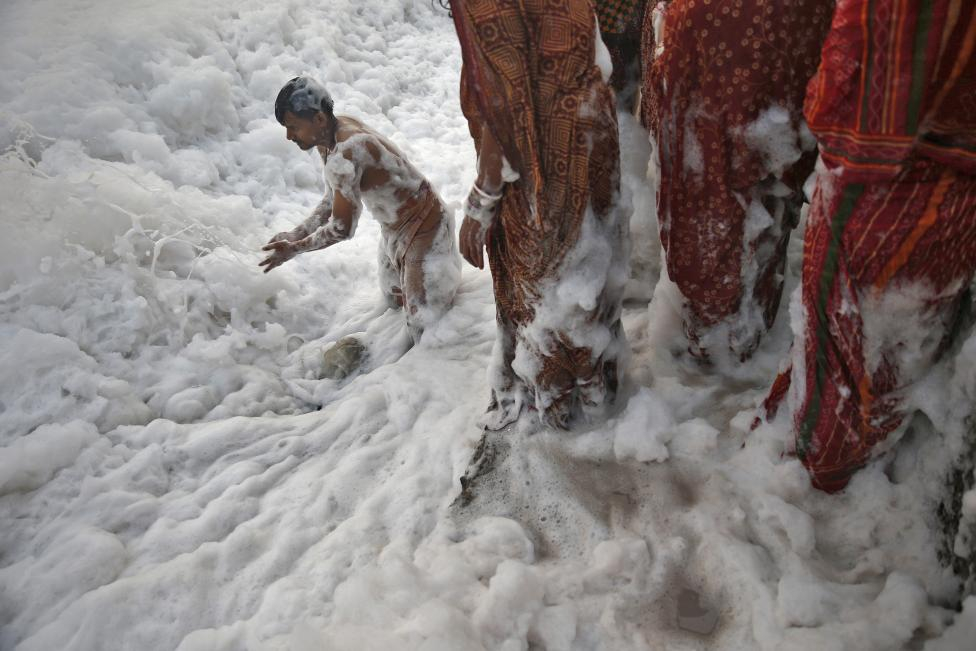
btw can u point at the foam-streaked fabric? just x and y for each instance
(890, 249)
(724, 66)
(886, 271)
(529, 75)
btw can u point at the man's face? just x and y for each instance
(306, 132)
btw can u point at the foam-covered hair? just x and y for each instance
(304, 97)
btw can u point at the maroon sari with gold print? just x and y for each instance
(723, 103)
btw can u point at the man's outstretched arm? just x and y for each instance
(338, 225)
(318, 218)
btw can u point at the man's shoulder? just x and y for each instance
(352, 129)
(352, 138)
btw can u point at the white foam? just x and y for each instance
(175, 474)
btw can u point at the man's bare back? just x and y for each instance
(383, 166)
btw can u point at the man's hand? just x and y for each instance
(286, 236)
(472, 241)
(282, 252)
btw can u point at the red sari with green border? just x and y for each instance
(890, 248)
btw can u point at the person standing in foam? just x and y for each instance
(419, 264)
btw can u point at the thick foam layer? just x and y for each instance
(175, 473)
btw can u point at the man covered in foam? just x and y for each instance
(419, 266)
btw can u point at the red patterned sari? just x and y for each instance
(890, 249)
(723, 102)
(529, 76)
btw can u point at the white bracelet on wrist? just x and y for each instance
(481, 206)
(486, 195)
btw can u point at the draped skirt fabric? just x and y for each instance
(885, 287)
(890, 248)
(723, 103)
(556, 250)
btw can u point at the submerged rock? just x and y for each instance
(343, 359)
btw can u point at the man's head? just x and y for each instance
(304, 108)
